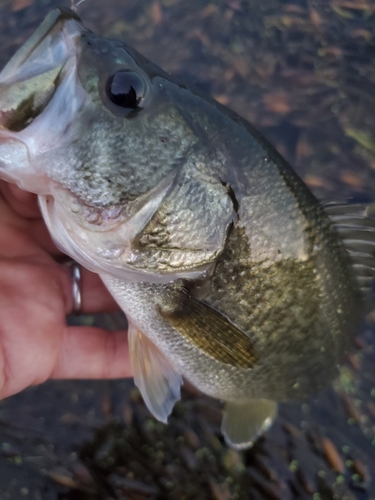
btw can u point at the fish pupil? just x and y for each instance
(125, 89)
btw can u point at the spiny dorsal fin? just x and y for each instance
(355, 224)
(210, 330)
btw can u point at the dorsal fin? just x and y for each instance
(355, 224)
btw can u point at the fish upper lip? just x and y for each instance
(29, 78)
(58, 21)
(38, 85)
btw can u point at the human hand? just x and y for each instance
(36, 343)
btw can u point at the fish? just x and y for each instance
(232, 275)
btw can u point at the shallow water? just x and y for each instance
(302, 72)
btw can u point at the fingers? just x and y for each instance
(95, 296)
(23, 203)
(47, 295)
(88, 352)
(20, 210)
(16, 230)
(38, 231)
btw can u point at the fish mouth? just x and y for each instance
(30, 79)
(40, 97)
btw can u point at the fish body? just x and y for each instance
(230, 272)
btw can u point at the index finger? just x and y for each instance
(93, 353)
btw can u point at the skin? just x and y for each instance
(36, 344)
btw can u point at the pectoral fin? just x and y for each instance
(243, 423)
(210, 330)
(157, 380)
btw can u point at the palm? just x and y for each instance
(35, 297)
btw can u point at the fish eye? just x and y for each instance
(126, 90)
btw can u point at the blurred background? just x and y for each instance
(303, 73)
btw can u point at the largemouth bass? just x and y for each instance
(230, 272)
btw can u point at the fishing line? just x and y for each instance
(74, 5)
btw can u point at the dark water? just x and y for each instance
(303, 73)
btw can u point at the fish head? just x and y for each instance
(68, 92)
(99, 133)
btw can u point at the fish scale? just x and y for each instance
(231, 274)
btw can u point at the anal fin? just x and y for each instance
(155, 377)
(244, 422)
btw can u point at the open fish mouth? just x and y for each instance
(30, 79)
(40, 95)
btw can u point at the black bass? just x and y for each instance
(230, 272)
